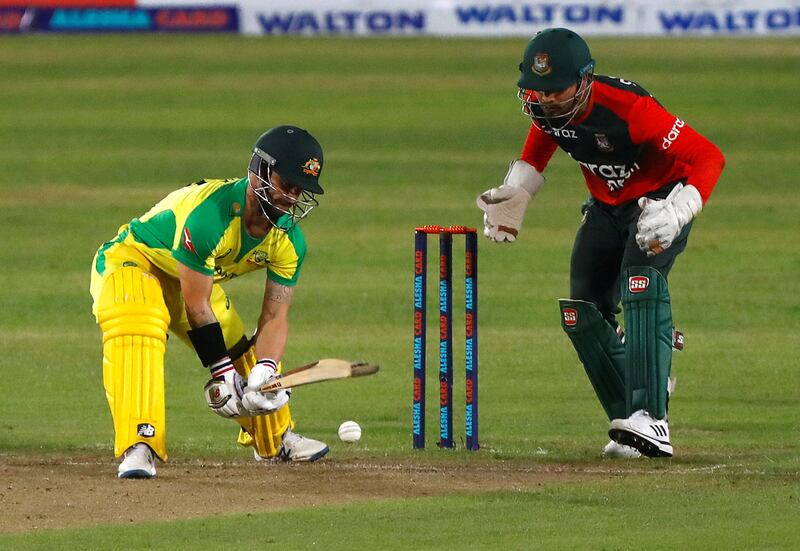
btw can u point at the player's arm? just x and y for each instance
(196, 292)
(662, 220)
(504, 206)
(270, 342)
(224, 390)
(273, 324)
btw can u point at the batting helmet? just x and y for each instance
(291, 151)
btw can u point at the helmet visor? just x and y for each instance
(555, 115)
(282, 209)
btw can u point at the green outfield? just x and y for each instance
(96, 129)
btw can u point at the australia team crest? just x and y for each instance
(259, 258)
(312, 167)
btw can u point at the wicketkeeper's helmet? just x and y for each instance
(554, 59)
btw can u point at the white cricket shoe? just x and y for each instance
(613, 450)
(139, 462)
(297, 448)
(645, 433)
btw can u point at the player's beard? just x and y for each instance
(556, 115)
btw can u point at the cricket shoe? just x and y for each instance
(297, 448)
(645, 433)
(139, 462)
(613, 450)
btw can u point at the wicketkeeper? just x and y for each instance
(649, 174)
(162, 273)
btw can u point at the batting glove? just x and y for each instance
(224, 391)
(256, 402)
(504, 206)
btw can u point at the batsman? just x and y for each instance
(162, 273)
(649, 174)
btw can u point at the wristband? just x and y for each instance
(270, 364)
(209, 343)
(222, 367)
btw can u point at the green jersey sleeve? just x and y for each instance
(200, 237)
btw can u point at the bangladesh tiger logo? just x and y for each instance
(541, 64)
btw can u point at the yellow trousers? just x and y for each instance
(136, 305)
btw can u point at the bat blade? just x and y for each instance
(327, 369)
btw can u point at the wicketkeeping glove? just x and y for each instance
(662, 220)
(257, 403)
(224, 391)
(504, 206)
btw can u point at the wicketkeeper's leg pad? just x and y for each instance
(648, 340)
(263, 432)
(134, 320)
(600, 350)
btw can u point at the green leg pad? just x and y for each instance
(600, 350)
(648, 340)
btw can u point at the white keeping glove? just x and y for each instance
(257, 403)
(504, 206)
(224, 391)
(662, 220)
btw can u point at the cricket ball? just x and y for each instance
(349, 431)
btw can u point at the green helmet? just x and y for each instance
(554, 59)
(294, 153)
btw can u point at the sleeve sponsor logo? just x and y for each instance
(673, 134)
(570, 316)
(187, 241)
(638, 284)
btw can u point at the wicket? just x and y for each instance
(445, 333)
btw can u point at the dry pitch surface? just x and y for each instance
(73, 492)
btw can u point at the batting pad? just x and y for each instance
(648, 340)
(600, 350)
(134, 320)
(264, 432)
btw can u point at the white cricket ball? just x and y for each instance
(349, 431)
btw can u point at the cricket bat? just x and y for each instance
(327, 369)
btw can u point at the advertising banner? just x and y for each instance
(520, 18)
(118, 19)
(462, 18)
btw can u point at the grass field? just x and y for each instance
(94, 130)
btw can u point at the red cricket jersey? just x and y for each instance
(628, 145)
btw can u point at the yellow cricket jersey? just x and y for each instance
(201, 226)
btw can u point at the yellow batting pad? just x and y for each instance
(134, 320)
(264, 432)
